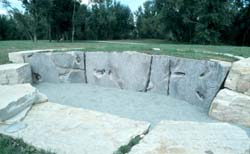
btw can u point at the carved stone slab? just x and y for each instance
(196, 81)
(126, 70)
(58, 67)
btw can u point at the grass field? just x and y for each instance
(180, 50)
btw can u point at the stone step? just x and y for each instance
(68, 130)
(15, 74)
(239, 77)
(230, 106)
(16, 100)
(171, 137)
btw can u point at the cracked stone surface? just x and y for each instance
(160, 75)
(15, 74)
(239, 77)
(230, 106)
(124, 70)
(170, 137)
(196, 81)
(68, 130)
(16, 101)
(58, 67)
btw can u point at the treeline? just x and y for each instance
(196, 21)
(189, 21)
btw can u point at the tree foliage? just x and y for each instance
(196, 21)
(190, 21)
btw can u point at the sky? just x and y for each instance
(133, 4)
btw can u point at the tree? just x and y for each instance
(213, 17)
(109, 19)
(8, 29)
(147, 21)
(62, 19)
(239, 32)
(76, 6)
(36, 11)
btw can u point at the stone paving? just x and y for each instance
(171, 137)
(68, 130)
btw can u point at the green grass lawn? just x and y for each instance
(9, 145)
(180, 50)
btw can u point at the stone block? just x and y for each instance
(124, 70)
(230, 106)
(239, 77)
(15, 74)
(196, 81)
(160, 75)
(61, 67)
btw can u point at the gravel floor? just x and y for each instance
(127, 104)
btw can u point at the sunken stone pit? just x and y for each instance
(103, 102)
(194, 81)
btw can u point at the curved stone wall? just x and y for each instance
(195, 81)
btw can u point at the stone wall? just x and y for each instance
(232, 104)
(195, 81)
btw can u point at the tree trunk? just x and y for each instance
(35, 37)
(35, 27)
(73, 23)
(245, 36)
(50, 38)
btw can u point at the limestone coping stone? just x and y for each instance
(223, 63)
(19, 57)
